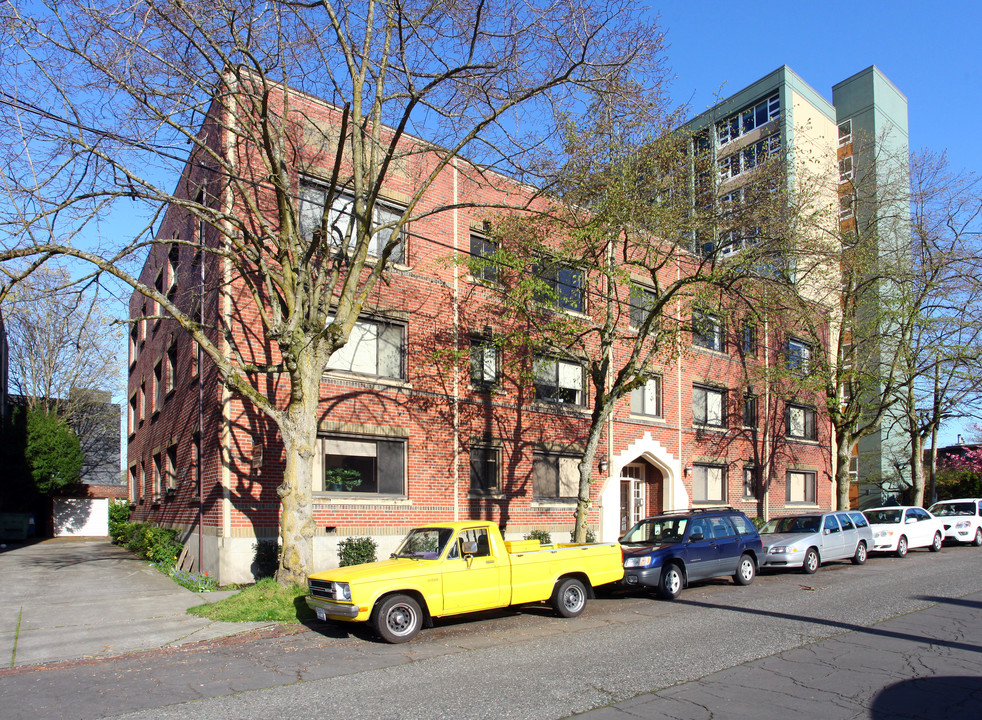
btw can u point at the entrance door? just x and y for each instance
(632, 496)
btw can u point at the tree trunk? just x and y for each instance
(917, 468)
(299, 431)
(844, 445)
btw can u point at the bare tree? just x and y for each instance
(64, 350)
(103, 100)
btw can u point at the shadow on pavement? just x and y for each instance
(943, 697)
(839, 624)
(951, 601)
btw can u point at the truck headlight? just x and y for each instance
(642, 561)
(342, 591)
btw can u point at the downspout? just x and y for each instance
(456, 350)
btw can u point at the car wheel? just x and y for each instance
(670, 583)
(811, 563)
(860, 557)
(746, 571)
(901, 547)
(936, 545)
(569, 597)
(398, 619)
(978, 537)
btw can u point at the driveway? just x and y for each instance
(66, 599)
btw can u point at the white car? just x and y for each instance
(962, 519)
(902, 528)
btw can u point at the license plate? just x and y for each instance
(321, 615)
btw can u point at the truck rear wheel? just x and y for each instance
(569, 597)
(398, 619)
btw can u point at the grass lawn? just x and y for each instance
(266, 601)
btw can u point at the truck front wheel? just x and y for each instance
(569, 597)
(398, 619)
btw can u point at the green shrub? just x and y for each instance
(356, 550)
(591, 537)
(266, 560)
(758, 522)
(542, 536)
(156, 544)
(119, 516)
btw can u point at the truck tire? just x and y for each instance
(746, 570)
(670, 583)
(569, 597)
(397, 619)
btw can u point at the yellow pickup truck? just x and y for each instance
(460, 567)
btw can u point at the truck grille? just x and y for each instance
(321, 588)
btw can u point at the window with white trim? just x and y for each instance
(708, 483)
(800, 487)
(642, 300)
(798, 355)
(707, 330)
(845, 132)
(484, 363)
(646, 400)
(373, 348)
(708, 406)
(801, 422)
(748, 119)
(555, 475)
(313, 196)
(750, 475)
(564, 285)
(362, 465)
(846, 206)
(845, 169)
(559, 381)
(482, 264)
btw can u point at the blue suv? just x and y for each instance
(668, 551)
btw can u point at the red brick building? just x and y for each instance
(407, 436)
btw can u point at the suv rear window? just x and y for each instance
(859, 519)
(743, 525)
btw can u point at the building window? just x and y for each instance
(485, 462)
(708, 483)
(141, 402)
(799, 354)
(340, 227)
(845, 169)
(642, 301)
(801, 423)
(646, 400)
(133, 481)
(555, 475)
(708, 406)
(845, 132)
(559, 381)
(750, 475)
(170, 469)
(751, 118)
(748, 339)
(846, 206)
(158, 386)
(707, 330)
(800, 487)
(563, 285)
(134, 344)
(373, 348)
(363, 465)
(750, 410)
(170, 374)
(484, 363)
(133, 414)
(749, 157)
(156, 470)
(482, 265)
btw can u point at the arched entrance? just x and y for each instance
(644, 479)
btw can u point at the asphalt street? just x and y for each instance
(891, 639)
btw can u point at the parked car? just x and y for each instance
(962, 519)
(806, 541)
(669, 551)
(902, 528)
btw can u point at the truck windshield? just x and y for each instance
(427, 543)
(656, 531)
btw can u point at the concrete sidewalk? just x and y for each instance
(67, 599)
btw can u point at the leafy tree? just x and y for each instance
(52, 451)
(102, 100)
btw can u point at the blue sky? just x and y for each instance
(931, 52)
